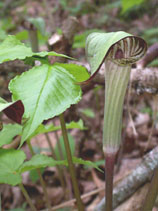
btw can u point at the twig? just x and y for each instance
(73, 201)
(152, 53)
(143, 80)
(133, 181)
(64, 43)
(152, 193)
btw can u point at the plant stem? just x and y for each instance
(33, 39)
(109, 170)
(70, 164)
(59, 145)
(152, 193)
(41, 179)
(23, 190)
(54, 156)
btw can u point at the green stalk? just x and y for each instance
(119, 50)
(60, 172)
(33, 39)
(116, 81)
(23, 190)
(152, 193)
(41, 179)
(59, 145)
(70, 164)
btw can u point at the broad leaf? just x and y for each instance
(40, 161)
(76, 125)
(79, 72)
(9, 132)
(11, 49)
(10, 161)
(98, 45)
(46, 91)
(22, 35)
(126, 5)
(51, 128)
(13, 110)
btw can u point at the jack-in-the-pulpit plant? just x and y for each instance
(41, 93)
(118, 50)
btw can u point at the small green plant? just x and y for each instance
(38, 94)
(126, 5)
(118, 50)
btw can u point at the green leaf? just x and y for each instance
(40, 161)
(150, 35)
(11, 49)
(76, 125)
(17, 209)
(9, 132)
(34, 176)
(79, 72)
(10, 161)
(85, 162)
(126, 5)
(22, 35)
(98, 45)
(4, 104)
(46, 91)
(61, 141)
(43, 39)
(3, 34)
(80, 39)
(44, 129)
(88, 112)
(51, 128)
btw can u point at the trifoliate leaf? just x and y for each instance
(46, 91)
(79, 72)
(11, 48)
(51, 128)
(40, 161)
